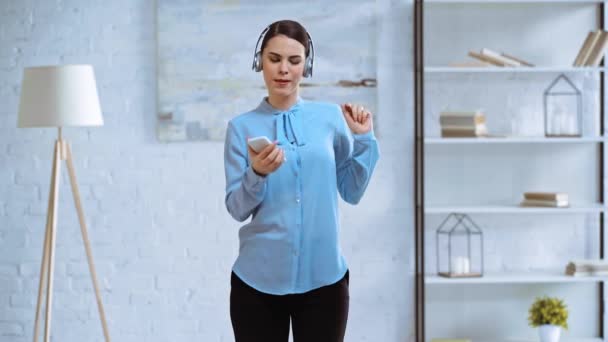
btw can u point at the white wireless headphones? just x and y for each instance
(257, 57)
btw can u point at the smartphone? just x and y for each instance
(258, 143)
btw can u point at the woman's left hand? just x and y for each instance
(358, 118)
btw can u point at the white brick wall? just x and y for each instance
(162, 240)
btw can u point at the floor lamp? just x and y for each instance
(60, 96)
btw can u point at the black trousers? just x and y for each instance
(319, 315)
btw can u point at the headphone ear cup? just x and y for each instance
(307, 67)
(257, 62)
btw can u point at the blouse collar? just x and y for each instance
(266, 107)
(287, 122)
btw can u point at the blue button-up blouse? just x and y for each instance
(291, 244)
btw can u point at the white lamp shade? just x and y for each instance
(59, 96)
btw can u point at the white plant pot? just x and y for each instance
(549, 333)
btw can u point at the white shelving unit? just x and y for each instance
(430, 283)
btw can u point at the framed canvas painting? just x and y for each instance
(205, 51)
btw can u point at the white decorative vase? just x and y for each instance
(549, 333)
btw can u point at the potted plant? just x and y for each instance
(549, 314)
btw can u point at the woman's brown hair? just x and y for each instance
(289, 28)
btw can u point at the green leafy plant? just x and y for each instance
(548, 310)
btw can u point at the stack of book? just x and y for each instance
(495, 58)
(545, 199)
(463, 124)
(592, 50)
(587, 268)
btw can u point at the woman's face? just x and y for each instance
(283, 65)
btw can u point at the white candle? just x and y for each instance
(461, 265)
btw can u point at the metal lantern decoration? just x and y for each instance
(563, 109)
(464, 241)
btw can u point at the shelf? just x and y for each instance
(448, 69)
(562, 339)
(515, 278)
(513, 209)
(511, 140)
(513, 1)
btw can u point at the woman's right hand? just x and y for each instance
(268, 160)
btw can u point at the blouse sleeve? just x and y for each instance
(356, 158)
(245, 189)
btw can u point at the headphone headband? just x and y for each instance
(260, 38)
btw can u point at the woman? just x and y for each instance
(290, 266)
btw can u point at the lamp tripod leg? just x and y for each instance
(51, 247)
(42, 282)
(85, 238)
(45, 249)
(49, 263)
